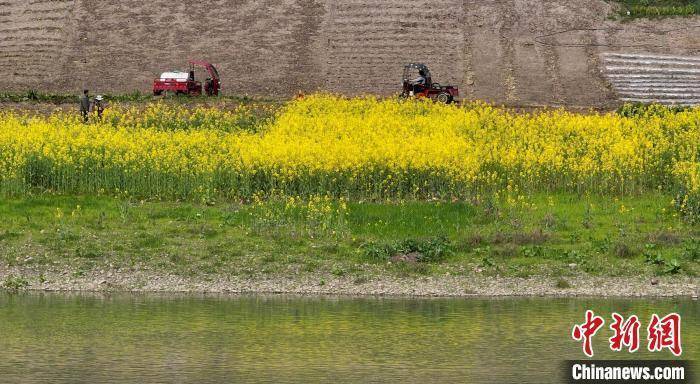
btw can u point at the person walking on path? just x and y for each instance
(85, 105)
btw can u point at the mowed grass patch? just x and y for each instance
(544, 235)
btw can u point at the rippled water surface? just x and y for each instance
(183, 339)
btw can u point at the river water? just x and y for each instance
(203, 339)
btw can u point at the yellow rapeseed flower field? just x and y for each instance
(359, 148)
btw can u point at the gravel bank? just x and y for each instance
(455, 286)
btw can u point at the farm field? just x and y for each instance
(327, 187)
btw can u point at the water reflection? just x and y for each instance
(127, 338)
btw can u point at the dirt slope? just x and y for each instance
(506, 51)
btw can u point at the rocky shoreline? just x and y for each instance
(429, 286)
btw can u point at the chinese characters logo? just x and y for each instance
(662, 333)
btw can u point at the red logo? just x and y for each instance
(663, 333)
(626, 333)
(587, 330)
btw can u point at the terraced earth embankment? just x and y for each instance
(518, 52)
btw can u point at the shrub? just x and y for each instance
(672, 267)
(431, 250)
(15, 283)
(563, 284)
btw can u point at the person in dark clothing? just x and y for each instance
(208, 86)
(85, 105)
(99, 106)
(421, 78)
(419, 82)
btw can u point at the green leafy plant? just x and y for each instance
(672, 267)
(651, 256)
(373, 251)
(692, 250)
(534, 251)
(32, 95)
(431, 250)
(14, 283)
(337, 271)
(435, 249)
(487, 262)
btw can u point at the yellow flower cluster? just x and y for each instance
(356, 148)
(164, 116)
